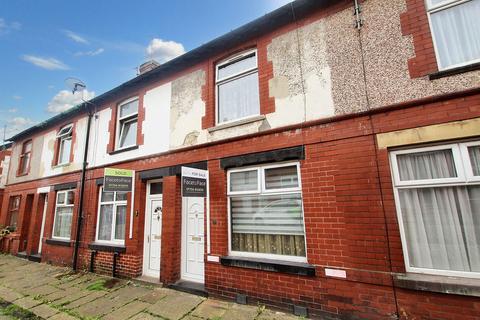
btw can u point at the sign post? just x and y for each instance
(120, 180)
(194, 182)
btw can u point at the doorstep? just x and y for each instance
(189, 287)
(149, 280)
(35, 257)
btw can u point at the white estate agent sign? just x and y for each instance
(194, 182)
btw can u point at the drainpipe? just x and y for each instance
(82, 191)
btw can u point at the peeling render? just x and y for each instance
(186, 110)
(301, 85)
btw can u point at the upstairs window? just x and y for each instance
(62, 223)
(455, 26)
(64, 137)
(24, 165)
(127, 124)
(13, 208)
(112, 214)
(437, 193)
(237, 87)
(266, 212)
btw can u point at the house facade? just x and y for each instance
(343, 156)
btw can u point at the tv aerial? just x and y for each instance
(75, 85)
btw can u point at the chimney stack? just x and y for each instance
(147, 66)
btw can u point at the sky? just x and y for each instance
(101, 42)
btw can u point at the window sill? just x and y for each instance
(123, 150)
(22, 174)
(439, 284)
(297, 268)
(58, 242)
(61, 165)
(454, 71)
(107, 247)
(236, 123)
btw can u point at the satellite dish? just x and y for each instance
(75, 85)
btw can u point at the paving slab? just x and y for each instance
(93, 295)
(175, 306)
(68, 298)
(44, 311)
(155, 295)
(42, 290)
(211, 309)
(127, 311)
(127, 294)
(62, 316)
(240, 312)
(275, 315)
(27, 303)
(9, 295)
(96, 308)
(144, 316)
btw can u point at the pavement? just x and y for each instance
(56, 293)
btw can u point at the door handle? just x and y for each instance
(148, 239)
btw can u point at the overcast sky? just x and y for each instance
(100, 42)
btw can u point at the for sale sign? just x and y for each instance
(194, 182)
(120, 180)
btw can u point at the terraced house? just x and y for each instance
(342, 143)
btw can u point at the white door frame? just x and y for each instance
(146, 244)
(183, 258)
(42, 228)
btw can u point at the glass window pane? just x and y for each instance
(442, 227)
(105, 222)
(237, 67)
(474, 153)
(107, 196)
(121, 196)
(456, 31)
(70, 197)
(268, 224)
(120, 222)
(426, 165)
(238, 98)
(61, 198)
(128, 133)
(25, 162)
(64, 152)
(63, 222)
(156, 188)
(129, 108)
(27, 147)
(280, 178)
(244, 180)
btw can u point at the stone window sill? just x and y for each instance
(454, 71)
(107, 247)
(61, 165)
(439, 284)
(236, 123)
(123, 150)
(297, 268)
(57, 242)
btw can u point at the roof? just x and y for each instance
(269, 22)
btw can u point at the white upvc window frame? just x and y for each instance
(65, 133)
(114, 204)
(243, 73)
(459, 152)
(122, 120)
(262, 191)
(63, 205)
(432, 9)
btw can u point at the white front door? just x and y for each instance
(153, 237)
(193, 239)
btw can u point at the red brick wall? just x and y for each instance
(414, 22)
(171, 230)
(349, 213)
